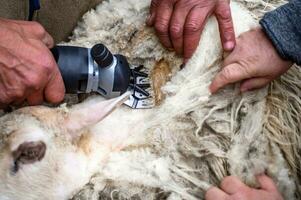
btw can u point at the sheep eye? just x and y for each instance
(28, 153)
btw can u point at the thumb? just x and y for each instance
(266, 183)
(229, 74)
(152, 13)
(225, 23)
(55, 89)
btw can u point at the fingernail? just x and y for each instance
(170, 49)
(229, 45)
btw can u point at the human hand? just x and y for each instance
(233, 189)
(179, 23)
(254, 61)
(28, 70)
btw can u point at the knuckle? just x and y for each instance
(38, 28)
(192, 27)
(176, 31)
(47, 63)
(226, 181)
(227, 28)
(226, 74)
(246, 69)
(50, 65)
(224, 13)
(161, 28)
(188, 4)
(16, 94)
(34, 82)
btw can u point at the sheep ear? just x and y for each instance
(91, 112)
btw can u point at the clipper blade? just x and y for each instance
(140, 88)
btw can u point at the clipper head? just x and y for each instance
(140, 88)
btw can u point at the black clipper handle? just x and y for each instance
(73, 63)
(87, 70)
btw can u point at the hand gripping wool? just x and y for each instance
(177, 150)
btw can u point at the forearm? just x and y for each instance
(283, 27)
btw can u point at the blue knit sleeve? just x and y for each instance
(283, 27)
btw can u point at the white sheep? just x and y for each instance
(176, 150)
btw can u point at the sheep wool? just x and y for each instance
(187, 143)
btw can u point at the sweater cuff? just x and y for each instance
(283, 27)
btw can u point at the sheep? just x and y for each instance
(177, 150)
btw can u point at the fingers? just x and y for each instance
(55, 90)
(162, 22)
(229, 74)
(232, 185)
(28, 69)
(214, 193)
(36, 31)
(253, 83)
(193, 27)
(48, 40)
(152, 13)
(224, 18)
(36, 98)
(32, 30)
(177, 25)
(266, 183)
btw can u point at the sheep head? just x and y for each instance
(41, 151)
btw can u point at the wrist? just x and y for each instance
(278, 56)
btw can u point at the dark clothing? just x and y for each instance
(283, 27)
(59, 17)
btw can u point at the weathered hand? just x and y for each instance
(28, 70)
(233, 189)
(179, 23)
(254, 61)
